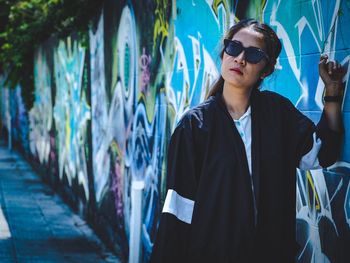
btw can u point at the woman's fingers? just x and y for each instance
(330, 70)
(330, 67)
(323, 68)
(323, 62)
(323, 56)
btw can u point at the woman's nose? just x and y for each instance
(240, 58)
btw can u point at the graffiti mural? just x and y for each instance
(101, 134)
(321, 217)
(40, 116)
(14, 116)
(71, 112)
(195, 64)
(20, 123)
(5, 106)
(131, 148)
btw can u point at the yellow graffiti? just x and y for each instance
(161, 24)
(262, 6)
(115, 148)
(311, 186)
(150, 107)
(216, 3)
(68, 131)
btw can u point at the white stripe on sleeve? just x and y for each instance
(310, 161)
(178, 206)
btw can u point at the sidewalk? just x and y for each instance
(35, 224)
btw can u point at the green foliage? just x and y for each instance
(24, 24)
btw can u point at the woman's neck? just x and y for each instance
(236, 100)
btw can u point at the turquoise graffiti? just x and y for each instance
(40, 116)
(71, 112)
(14, 116)
(196, 61)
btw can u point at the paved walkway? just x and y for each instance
(35, 224)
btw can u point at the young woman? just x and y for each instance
(232, 160)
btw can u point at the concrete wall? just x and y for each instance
(106, 104)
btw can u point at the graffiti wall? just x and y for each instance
(40, 115)
(14, 116)
(59, 118)
(71, 113)
(104, 111)
(5, 106)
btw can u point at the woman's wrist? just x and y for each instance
(332, 98)
(333, 89)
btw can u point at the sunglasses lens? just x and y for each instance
(252, 55)
(233, 48)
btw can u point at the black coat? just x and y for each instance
(207, 164)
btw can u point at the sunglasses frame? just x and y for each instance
(245, 49)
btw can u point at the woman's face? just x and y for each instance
(235, 70)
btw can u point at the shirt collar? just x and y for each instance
(245, 115)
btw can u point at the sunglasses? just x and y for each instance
(252, 54)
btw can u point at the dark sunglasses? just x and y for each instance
(251, 54)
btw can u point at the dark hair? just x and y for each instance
(273, 48)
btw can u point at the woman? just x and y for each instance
(232, 160)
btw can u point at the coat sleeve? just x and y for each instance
(331, 142)
(300, 130)
(305, 130)
(173, 231)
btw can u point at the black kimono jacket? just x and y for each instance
(207, 167)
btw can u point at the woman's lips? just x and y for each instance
(237, 70)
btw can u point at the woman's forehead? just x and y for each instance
(250, 38)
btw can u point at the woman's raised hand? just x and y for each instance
(332, 73)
